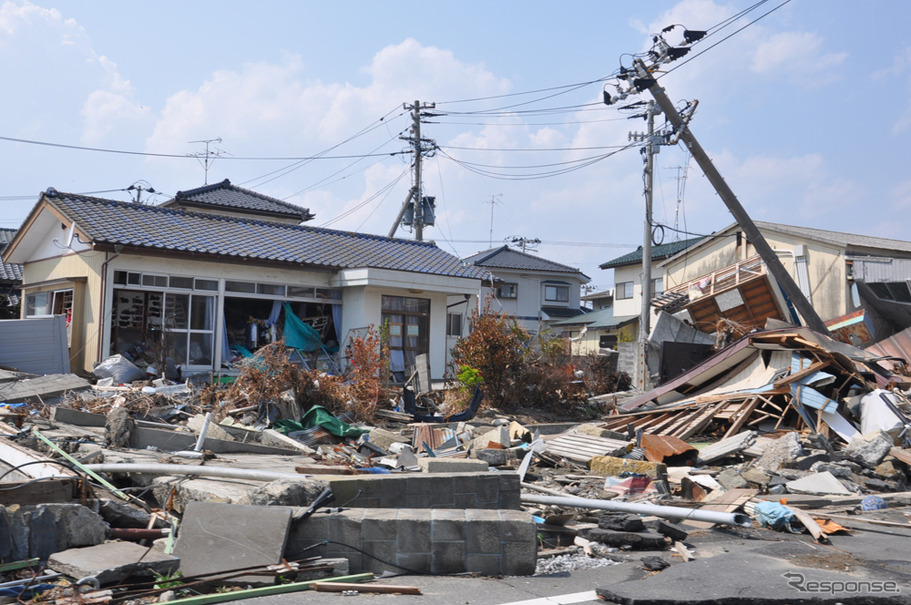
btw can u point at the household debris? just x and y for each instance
(766, 438)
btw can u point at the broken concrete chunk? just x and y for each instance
(597, 431)
(621, 522)
(644, 540)
(384, 438)
(275, 439)
(121, 514)
(870, 449)
(818, 484)
(286, 493)
(213, 431)
(755, 476)
(112, 562)
(777, 452)
(887, 470)
(611, 466)
(730, 478)
(118, 428)
(675, 532)
(654, 563)
(494, 457)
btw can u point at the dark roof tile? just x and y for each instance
(231, 197)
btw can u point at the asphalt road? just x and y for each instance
(742, 566)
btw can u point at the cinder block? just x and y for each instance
(482, 537)
(441, 492)
(448, 557)
(417, 501)
(487, 488)
(413, 531)
(517, 526)
(382, 525)
(445, 528)
(465, 501)
(452, 465)
(510, 499)
(383, 556)
(519, 558)
(488, 565)
(418, 562)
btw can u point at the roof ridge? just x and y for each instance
(226, 184)
(53, 193)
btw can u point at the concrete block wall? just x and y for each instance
(436, 541)
(43, 529)
(492, 490)
(626, 360)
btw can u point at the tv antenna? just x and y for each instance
(207, 157)
(495, 200)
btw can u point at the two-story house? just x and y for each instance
(534, 290)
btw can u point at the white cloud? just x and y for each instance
(800, 56)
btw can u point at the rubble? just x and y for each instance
(761, 440)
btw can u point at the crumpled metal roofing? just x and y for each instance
(156, 228)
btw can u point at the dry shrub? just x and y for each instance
(265, 377)
(601, 377)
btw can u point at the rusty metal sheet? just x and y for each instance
(660, 447)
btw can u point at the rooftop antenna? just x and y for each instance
(495, 200)
(681, 188)
(207, 158)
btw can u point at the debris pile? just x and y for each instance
(115, 492)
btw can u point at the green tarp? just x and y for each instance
(318, 415)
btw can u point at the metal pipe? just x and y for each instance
(222, 472)
(202, 432)
(667, 512)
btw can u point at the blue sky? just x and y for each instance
(805, 112)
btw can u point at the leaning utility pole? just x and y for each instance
(650, 149)
(781, 275)
(415, 194)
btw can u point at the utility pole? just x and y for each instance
(138, 188)
(781, 275)
(415, 194)
(525, 242)
(650, 149)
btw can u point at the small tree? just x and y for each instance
(496, 348)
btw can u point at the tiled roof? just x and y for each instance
(230, 197)
(505, 257)
(659, 252)
(563, 311)
(8, 271)
(155, 228)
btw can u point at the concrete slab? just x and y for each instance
(818, 484)
(452, 465)
(216, 537)
(111, 562)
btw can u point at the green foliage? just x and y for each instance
(168, 580)
(469, 377)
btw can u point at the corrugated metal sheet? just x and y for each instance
(35, 345)
(897, 345)
(583, 448)
(872, 270)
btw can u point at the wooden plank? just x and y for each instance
(683, 551)
(728, 502)
(797, 376)
(40, 492)
(811, 525)
(745, 413)
(697, 426)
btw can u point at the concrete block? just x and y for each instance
(670, 530)
(517, 526)
(213, 431)
(519, 558)
(72, 525)
(446, 556)
(381, 524)
(488, 565)
(42, 534)
(452, 465)
(482, 536)
(120, 514)
(383, 557)
(621, 522)
(419, 562)
(465, 501)
(487, 489)
(112, 562)
(413, 532)
(611, 466)
(447, 525)
(6, 544)
(441, 491)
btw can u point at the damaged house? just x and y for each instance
(209, 277)
(10, 279)
(843, 275)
